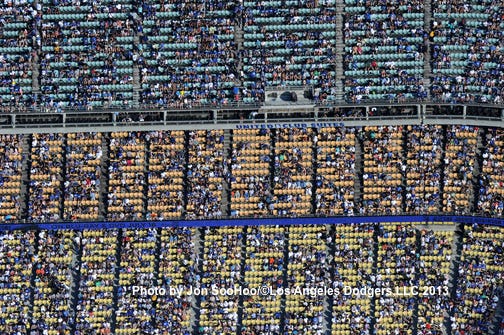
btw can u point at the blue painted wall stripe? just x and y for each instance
(255, 222)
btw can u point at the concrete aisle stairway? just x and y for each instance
(427, 73)
(244, 255)
(104, 178)
(239, 41)
(359, 169)
(340, 50)
(35, 61)
(474, 190)
(76, 278)
(136, 78)
(25, 175)
(329, 299)
(454, 274)
(226, 187)
(117, 287)
(495, 328)
(195, 313)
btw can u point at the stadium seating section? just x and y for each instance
(187, 53)
(96, 282)
(491, 180)
(10, 182)
(306, 267)
(16, 270)
(221, 269)
(46, 176)
(165, 174)
(335, 171)
(137, 268)
(263, 268)
(65, 54)
(396, 269)
(423, 172)
(251, 193)
(126, 176)
(354, 252)
(177, 267)
(383, 50)
(289, 43)
(82, 282)
(84, 56)
(16, 56)
(383, 170)
(466, 59)
(435, 255)
(293, 172)
(82, 178)
(54, 262)
(480, 274)
(205, 174)
(460, 156)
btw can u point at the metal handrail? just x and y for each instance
(237, 105)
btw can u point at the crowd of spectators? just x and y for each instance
(188, 54)
(459, 163)
(86, 54)
(54, 264)
(18, 20)
(384, 168)
(424, 158)
(16, 253)
(82, 176)
(433, 272)
(398, 263)
(177, 268)
(206, 171)
(135, 312)
(11, 155)
(335, 171)
(137, 267)
(352, 260)
(293, 171)
(289, 45)
(250, 163)
(166, 167)
(491, 180)
(264, 267)
(480, 278)
(306, 268)
(46, 176)
(385, 44)
(467, 59)
(38, 269)
(221, 265)
(126, 176)
(95, 308)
